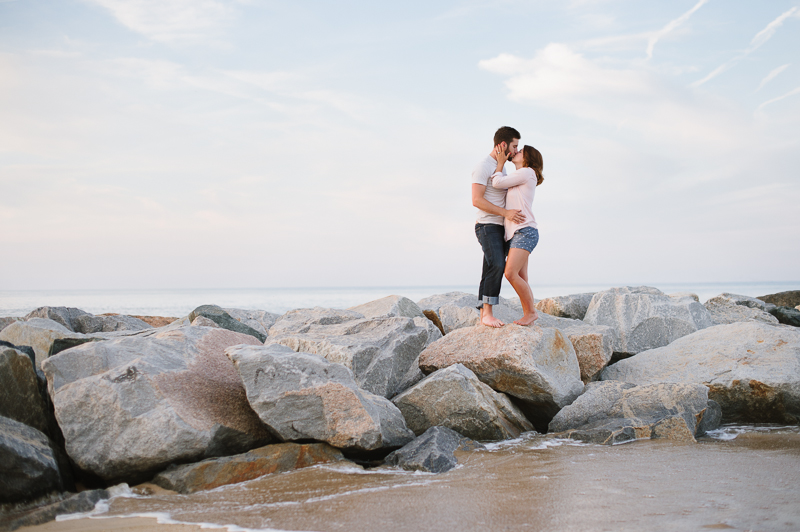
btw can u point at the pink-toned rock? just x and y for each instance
(215, 472)
(536, 366)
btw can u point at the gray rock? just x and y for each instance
(456, 310)
(572, 306)
(389, 307)
(680, 295)
(28, 464)
(751, 369)
(41, 334)
(611, 412)
(90, 324)
(736, 299)
(433, 452)
(202, 321)
(66, 316)
(593, 344)
(133, 405)
(723, 311)
(414, 374)
(789, 298)
(786, 315)
(455, 299)
(225, 320)
(6, 321)
(69, 503)
(302, 320)
(20, 395)
(645, 318)
(302, 396)
(260, 320)
(452, 317)
(380, 352)
(453, 397)
(537, 366)
(215, 472)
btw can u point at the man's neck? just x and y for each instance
(493, 155)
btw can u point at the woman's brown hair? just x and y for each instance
(533, 159)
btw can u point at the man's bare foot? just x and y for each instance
(491, 321)
(528, 319)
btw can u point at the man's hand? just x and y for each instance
(514, 216)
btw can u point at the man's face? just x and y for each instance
(512, 148)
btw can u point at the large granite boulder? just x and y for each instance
(433, 452)
(259, 320)
(380, 352)
(786, 315)
(724, 311)
(66, 316)
(91, 324)
(8, 320)
(751, 369)
(133, 405)
(452, 317)
(573, 306)
(215, 472)
(790, 298)
(740, 300)
(225, 320)
(29, 466)
(302, 396)
(645, 318)
(456, 299)
(455, 310)
(302, 320)
(66, 503)
(453, 397)
(20, 394)
(42, 334)
(593, 344)
(612, 412)
(389, 307)
(536, 366)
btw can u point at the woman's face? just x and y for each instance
(518, 158)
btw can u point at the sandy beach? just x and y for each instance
(118, 524)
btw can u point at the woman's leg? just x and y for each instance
(517, 274)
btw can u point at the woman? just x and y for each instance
(521, 185)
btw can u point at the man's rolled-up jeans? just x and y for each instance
(495, 250)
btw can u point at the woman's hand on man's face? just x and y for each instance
(501, 152)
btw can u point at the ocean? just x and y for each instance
(179, 302)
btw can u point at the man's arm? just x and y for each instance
(485, 205)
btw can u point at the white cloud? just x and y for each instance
(656, 36)
(628, 98)
(760, 38)
(170, 20)
(772, 75)
(779, 98)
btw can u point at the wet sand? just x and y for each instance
(748, 483)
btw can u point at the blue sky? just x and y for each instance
(213, 143)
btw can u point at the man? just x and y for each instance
(489, 228)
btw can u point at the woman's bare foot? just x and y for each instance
(528, 319)
(491, 321)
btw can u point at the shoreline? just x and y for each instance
(116, 523)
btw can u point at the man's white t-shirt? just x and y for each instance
(482, 175)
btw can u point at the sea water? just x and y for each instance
(739, 477)
(179, 302)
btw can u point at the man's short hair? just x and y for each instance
(506, 134)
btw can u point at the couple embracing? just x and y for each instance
(506, 228)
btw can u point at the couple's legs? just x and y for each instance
(492, 239)
(516, 272)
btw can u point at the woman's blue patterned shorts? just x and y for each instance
(525, 238)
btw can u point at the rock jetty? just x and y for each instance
(225, 395)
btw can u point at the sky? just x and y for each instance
(247, 143)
